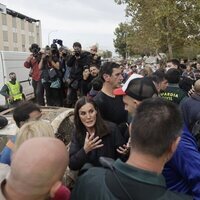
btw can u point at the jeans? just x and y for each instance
(53, 95)
(38, 92)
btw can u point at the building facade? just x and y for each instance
(17, 31)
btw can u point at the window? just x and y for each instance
(4, 19)
(30, 26)
(15, 37)
(5, 36)
(22, 24)
(23, 40)
(23, 47)
(14, 22)
(31, 40)
(38, 38)
(5, 48)
(37, 29)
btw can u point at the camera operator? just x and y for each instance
(77, 61)
(51, 75)
(94, 58)
(32, 62)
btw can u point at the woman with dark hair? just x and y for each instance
(92, 136)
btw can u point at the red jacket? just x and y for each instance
(32, 63)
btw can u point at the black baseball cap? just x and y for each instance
(139, 89)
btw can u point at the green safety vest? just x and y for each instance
(14, 90)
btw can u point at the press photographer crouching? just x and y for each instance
(76, 62)
(51, 75)
(32, 62)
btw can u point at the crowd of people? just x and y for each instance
(58, 73)
(135, 135)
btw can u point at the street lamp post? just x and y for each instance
(49, 35)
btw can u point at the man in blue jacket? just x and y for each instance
(182, 172)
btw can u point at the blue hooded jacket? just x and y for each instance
(182, 171)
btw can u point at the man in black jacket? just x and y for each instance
(77, 62)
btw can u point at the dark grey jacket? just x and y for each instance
(98, 184)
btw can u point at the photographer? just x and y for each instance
(51, 75)
(77, 62)
(32, 62)
(64, 57)
(94, 58)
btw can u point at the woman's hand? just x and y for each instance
(123, 149)
(91, 143)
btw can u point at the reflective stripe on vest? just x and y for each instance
(14, 90)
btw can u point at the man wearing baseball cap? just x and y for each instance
(135, 92)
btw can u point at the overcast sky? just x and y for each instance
(86, 21)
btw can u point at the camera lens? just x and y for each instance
(77, 53)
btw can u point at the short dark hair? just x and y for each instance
(161, 76)
(93, 65)
(107, 68)
(155, 79)
(174, 62)
(3, 121)
(173, 76)
(97, 83)
(100, 126)
(22, 112)
(12, 73)
(34, 46)
(77, 44)
(156, 124)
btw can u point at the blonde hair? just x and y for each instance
(146, 71)
(39, 128)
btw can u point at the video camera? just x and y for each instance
(77, 53)
(58, 41)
